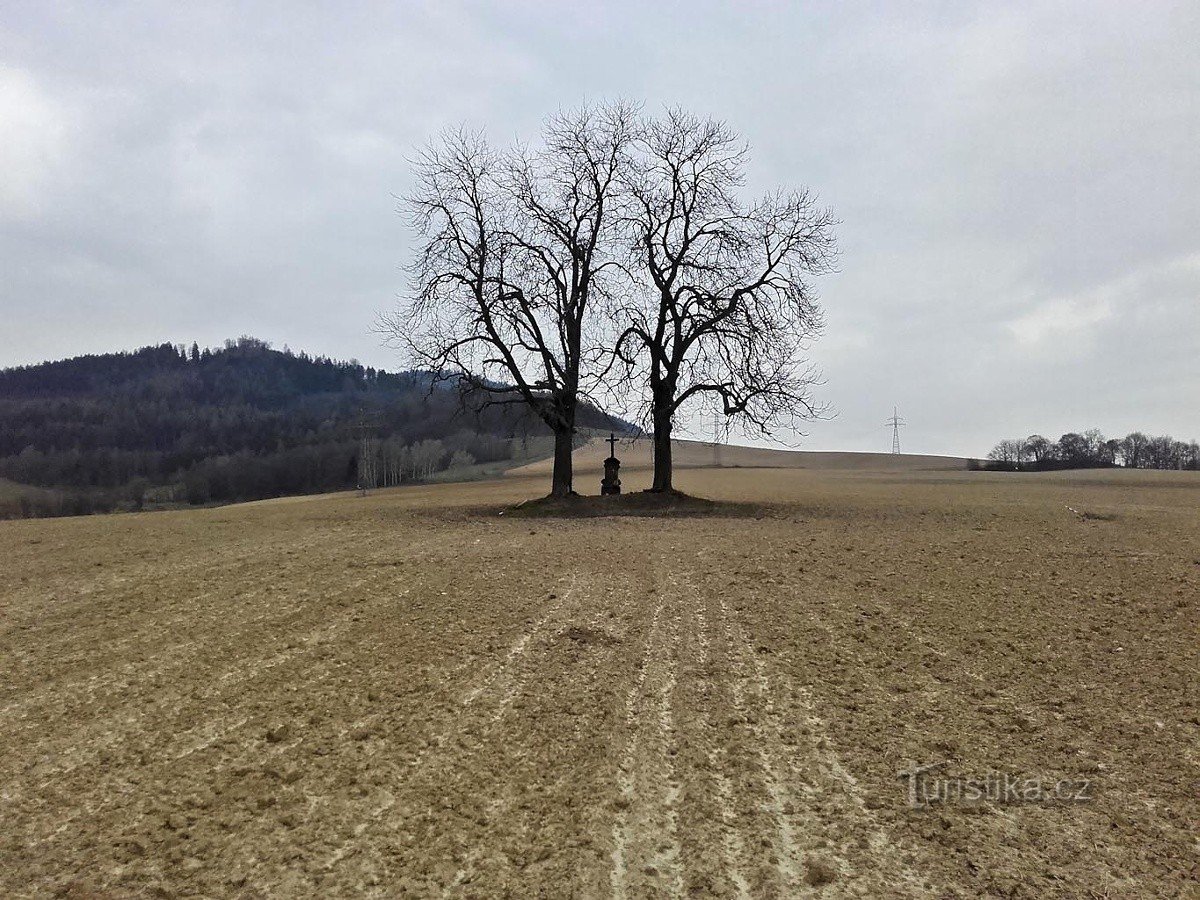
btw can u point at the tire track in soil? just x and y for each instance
(708, 804)
(840, 831)
(474, 865)
(503, 671)
(478, 710)
(459, 748)
(547, 772)
(770, 817)
(538, 826)
(646, 850)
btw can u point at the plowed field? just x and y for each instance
(412, 694)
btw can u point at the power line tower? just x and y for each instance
(367, 476)
(895, 423)
(717, 439)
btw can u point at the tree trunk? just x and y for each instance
(560, 485)
(662, 455)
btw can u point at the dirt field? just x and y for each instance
(412, 695)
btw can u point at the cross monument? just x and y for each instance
(611, 482)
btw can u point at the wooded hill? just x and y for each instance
(171, 425)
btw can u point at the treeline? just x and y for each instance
(172, 425)
(1091, 449)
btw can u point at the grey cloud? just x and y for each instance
(1018, 184)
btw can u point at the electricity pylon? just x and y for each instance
(894, 423)
(367, 476)
(717, 439)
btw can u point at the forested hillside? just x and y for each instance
(168, 424)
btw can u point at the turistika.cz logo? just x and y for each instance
(929, 786)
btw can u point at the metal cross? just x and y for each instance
(612, 444)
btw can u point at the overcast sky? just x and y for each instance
(1019, 184)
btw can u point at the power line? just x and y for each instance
(895, 423)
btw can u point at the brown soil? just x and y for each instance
(394, 696)
(630, 503)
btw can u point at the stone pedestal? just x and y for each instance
(611, 483)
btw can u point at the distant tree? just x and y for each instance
(726, 305)
(1160, 452)
(1074, 449)
(1095, 445)
(1133, 449)
(1038, 449)
(1192, 456)
(135, 489)
(1180, 453)
(1007, 452)
(461, 459)
(426, 458)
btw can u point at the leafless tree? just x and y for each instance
(1133, 449)
(1160, 452)
(1038, 448)
(516, 247)
(722, 306)
(1007, 452)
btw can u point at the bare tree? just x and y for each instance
(1008, 452)
(1191, 456)
(1160, 452)
(1110, 450)
(1039, 449)
(725, 307)
(1096, 450)
(1133, 449)
(1073, 449)
(514, 250)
